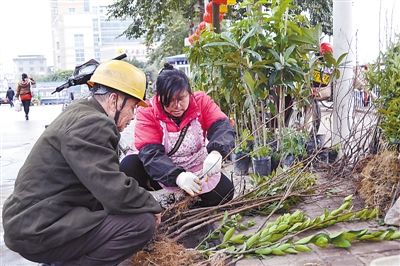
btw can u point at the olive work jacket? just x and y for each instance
(70, 182)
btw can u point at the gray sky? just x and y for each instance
(25, 27)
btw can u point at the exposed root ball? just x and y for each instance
(379, 180)
(163, 251)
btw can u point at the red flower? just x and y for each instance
(325, 48)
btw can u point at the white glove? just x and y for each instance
(189, 182)
(212, 164)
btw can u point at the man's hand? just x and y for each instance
(189, 182)
(212, 164)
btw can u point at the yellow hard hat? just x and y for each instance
(121, 76)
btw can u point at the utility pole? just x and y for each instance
(342, 94)
(215, 18)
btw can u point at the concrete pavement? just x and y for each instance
(17, 137)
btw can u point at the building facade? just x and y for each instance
(33, 65)
(81, 31)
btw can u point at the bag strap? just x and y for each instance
(179, 141)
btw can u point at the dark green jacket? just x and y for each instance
(70, 182)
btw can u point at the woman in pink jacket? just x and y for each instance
(182, 139)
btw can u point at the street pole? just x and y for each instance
(342, 94)
(215, 18)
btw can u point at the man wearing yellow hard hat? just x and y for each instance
(71, 204)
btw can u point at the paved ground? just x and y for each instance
(361, 253)
(17, 137)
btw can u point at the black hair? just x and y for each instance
(170, 82)
(24, 76)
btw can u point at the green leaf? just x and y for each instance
(264, 251)
(237, 239)
(341, 57)
(249, 80)
(348, 198)
(341, 243)
(278, 252)
(291, 251)
(228, 234)
(395, 235)
(302, 248)
(285, 246)
(212, 44)
(253, 53)
(248, 35)
(289, 51)
(304, 240)
(294, 227)
(252, 240)
(321, 241)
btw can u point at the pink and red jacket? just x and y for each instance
(149, 134)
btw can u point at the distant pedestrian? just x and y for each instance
(10, 96)
(24, 92)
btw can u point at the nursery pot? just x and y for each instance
(323, 156)
(241, 163)
(275, 162)
(288, 160)
(262, 166)
(314, 144)
(332, 155)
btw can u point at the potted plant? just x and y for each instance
(240, 157)
(315, 143)
(292, 146)
(333, 153)
(261, 160)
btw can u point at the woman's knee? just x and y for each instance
(129, 164)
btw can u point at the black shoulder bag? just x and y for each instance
(179, 141)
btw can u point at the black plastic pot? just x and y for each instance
(241, 163)
(275, 159)
(315, 144)
(288, 160)
(262, 166)
(332, 155)
(322, 156)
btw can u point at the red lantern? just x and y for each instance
(209, 7)
(219, 2)
(221, 17)
(207, 17)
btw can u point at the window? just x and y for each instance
(78, 40)
(71, 10)
(95, 25)
(58, 45)
(79, 55)
(86, 5)
(21, 69)
(79, 48)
